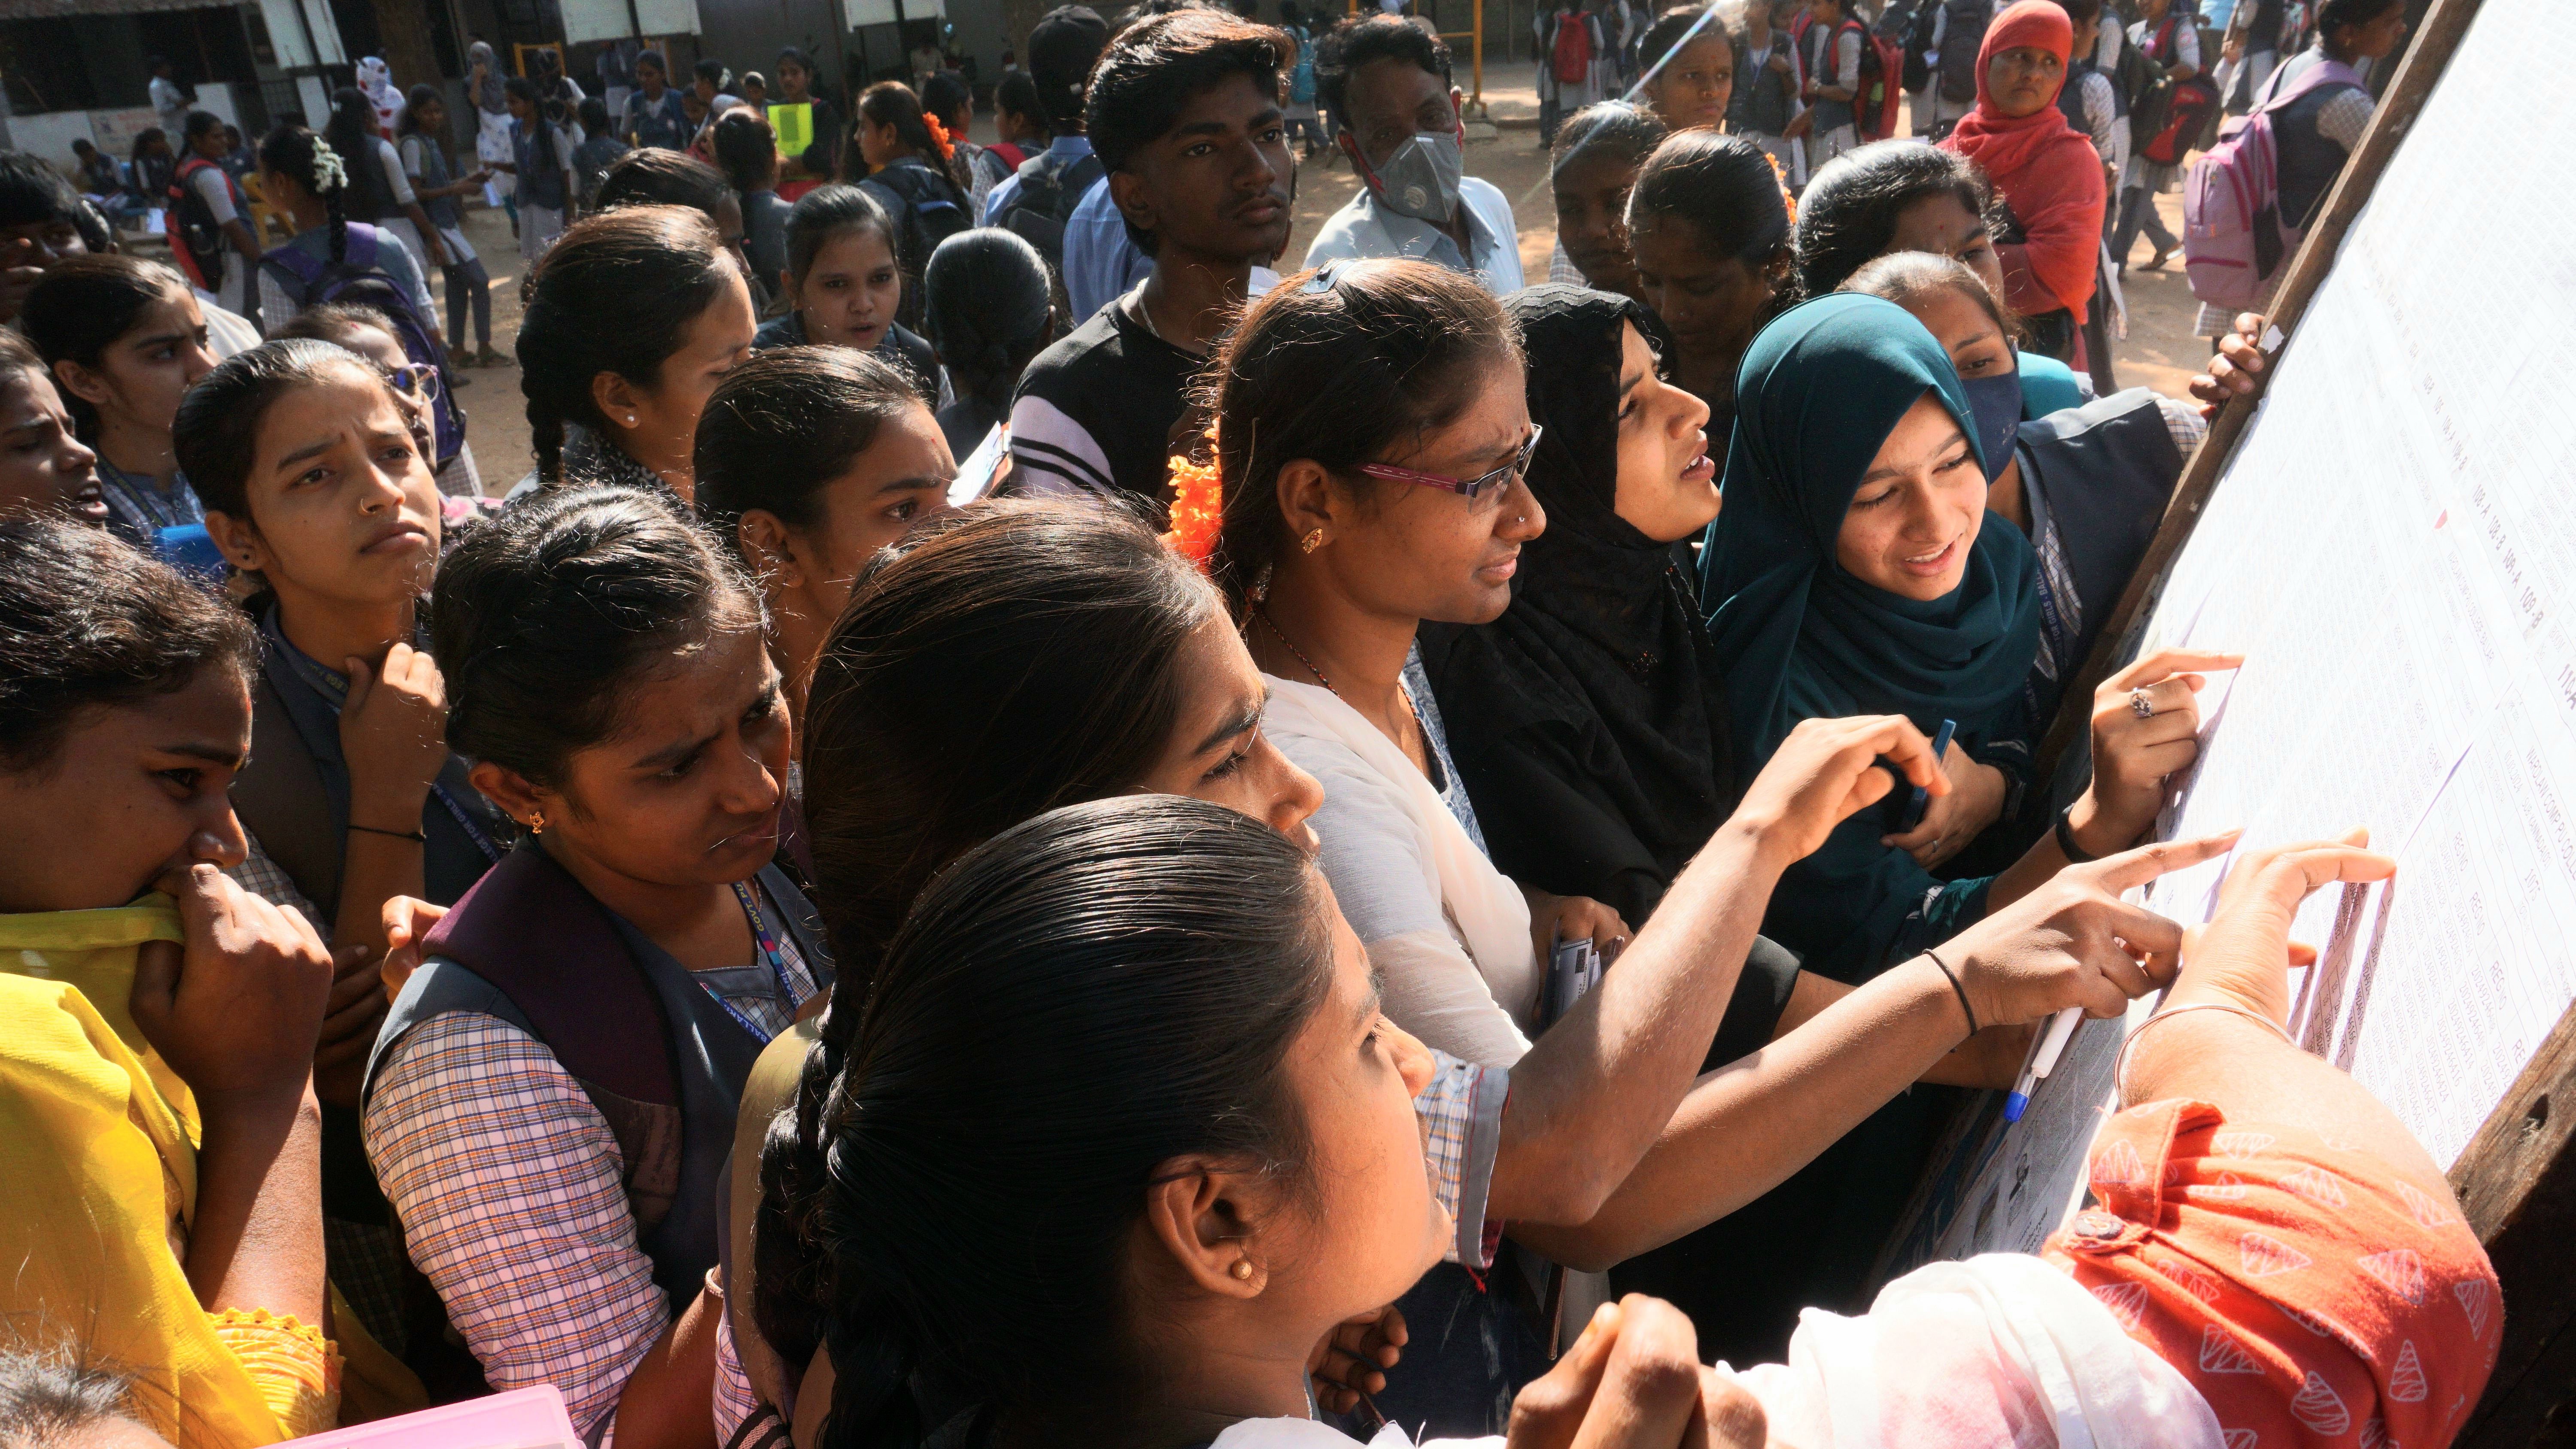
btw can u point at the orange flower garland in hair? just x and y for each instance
(947, 148)
(1198, 505)
(1788, 198)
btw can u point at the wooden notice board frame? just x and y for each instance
(2517, 1177)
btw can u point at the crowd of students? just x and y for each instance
(783, 943)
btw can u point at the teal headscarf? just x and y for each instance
(1800, 637)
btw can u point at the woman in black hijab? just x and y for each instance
(1591, 723)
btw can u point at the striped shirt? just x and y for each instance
(510, 1188)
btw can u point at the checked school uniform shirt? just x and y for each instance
(508, 1184)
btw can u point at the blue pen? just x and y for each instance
(1923, 793)
(2046, 1045)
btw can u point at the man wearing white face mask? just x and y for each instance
(1387, 86)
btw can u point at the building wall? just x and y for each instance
(49, 134)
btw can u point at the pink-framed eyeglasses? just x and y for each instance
(1468, 488)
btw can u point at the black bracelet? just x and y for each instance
(1953, 978)
(2066, 838)
(413, 836)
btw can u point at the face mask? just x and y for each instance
(1421, 179)
(1996, 401)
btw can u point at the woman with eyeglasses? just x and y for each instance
(317, 486)
(370, 334)
(1372, 433)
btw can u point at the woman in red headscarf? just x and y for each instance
(2044, 169)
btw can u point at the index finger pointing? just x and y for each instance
(2173, 661)
(2137, 867)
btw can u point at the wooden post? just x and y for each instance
(1478, 99)
(2517, 1183)
(2426, 58)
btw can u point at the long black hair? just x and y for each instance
(546, 618)
(352, 133)
(988, 312)
(81, 305)
(1850, 210)
(892, 103)
(615, 293)
(1338, 374)
(293, 151)
(1052, 634)
(1070, 1007)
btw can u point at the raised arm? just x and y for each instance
(1593, 1094)
(2219, 1037)
(234, 1011)
(1746, 1127)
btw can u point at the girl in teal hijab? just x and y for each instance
(1801, 636)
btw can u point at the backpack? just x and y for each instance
(1050, 188)
(932, 211)
(1301, 81)
(1882, 69)
(2233, 238)
(1918, 48)
(199, 242)
(1573, 62)
(307, 279)
(1962, 36)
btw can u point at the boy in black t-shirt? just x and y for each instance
(1184, 112)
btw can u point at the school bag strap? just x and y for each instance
(515, 929)
(280, 797)
(308, 272)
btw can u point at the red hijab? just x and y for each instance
(2042, 165)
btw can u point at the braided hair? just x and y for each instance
(309, 161)
(987, 309)
(615, 293)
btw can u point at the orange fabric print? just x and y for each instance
(2311, 1296)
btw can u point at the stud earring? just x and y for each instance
(630, 422)
(1311, 542)
(536, 822)
(1242, 1270)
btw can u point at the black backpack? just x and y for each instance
(1961, 37)
(1050, 188)
(1918, 46)
(933, 210)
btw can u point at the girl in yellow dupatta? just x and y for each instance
(159, 1195)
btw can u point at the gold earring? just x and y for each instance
(1311, 541)
(1242, 1270)
(536, 821)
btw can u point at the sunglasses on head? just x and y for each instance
(1469, 488)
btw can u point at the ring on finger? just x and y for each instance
(2141, 704)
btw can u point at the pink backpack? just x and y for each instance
(2233, 238)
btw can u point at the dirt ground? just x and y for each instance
(2159, 352)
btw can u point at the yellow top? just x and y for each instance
(97, 1189)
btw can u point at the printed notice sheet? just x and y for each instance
(2393, 549)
